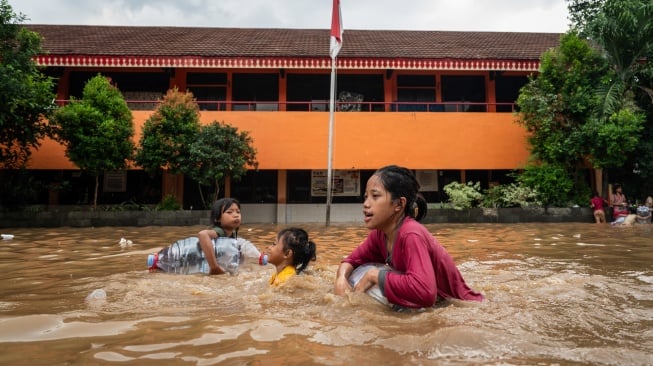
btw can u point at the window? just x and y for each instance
(253, 89)
(209, 89)
(368, 88)
(302, 88)
(464, 93)
(256, 187)
(413, 89)
(507, 91)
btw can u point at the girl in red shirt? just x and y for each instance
(420, 271)
(597, 203)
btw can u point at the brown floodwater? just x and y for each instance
(564, 293)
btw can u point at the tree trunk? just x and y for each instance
(217, 189)
(199, 187)
(97, 183)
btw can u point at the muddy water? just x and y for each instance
(568, 294)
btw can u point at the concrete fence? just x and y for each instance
(281, 214)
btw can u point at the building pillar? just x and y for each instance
(282, 184)
(63, 87)
(490, 91)
(178, 79)
(173, 185)
(388, 89)
(282, 195)
(282, 90)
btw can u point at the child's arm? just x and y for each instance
(205, 237)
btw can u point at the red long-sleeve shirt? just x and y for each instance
(423, 268)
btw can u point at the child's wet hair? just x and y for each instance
(219, 207)
(401, 182)
(303, 249)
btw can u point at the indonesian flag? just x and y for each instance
(336, 29)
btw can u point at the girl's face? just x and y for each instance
(379, 210)
(276, 254)
(230, 218)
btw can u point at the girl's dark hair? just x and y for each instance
(401, 182)
(219, 207)
(303, 250)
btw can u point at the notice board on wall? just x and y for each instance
(345, 183)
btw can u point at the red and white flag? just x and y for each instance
(336, 30)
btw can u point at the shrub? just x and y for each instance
(511, 195)
(463, 195)
(168, 203)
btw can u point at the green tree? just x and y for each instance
(641, 161)
(168, 134)
(220, 151)
(25, 95)
(583, 12)
(551, 182)
(96, 130)
(555, 106)
(623, 29)
(565, 113)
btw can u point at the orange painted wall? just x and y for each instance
(299, 140)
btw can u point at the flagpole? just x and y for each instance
(334, 48)
(330, 149)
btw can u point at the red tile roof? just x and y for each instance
(290, 43)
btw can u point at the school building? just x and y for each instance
(438, 102)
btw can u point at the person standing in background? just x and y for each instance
(597, 203)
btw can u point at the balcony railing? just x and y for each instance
(323, 106)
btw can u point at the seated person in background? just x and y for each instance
(629, 220)
(644, 211)
(619, 205)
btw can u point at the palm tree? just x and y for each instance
(624, 29)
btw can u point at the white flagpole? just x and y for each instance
(330, 149)
(334, 48)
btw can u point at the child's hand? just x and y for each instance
(216, 270)
(342, 286)
(370, 279)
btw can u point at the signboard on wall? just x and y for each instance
(345, 183)
(428, 180)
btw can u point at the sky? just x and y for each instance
(447, 15)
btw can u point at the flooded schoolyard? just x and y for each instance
(563, 293)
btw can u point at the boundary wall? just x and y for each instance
(282, 214)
